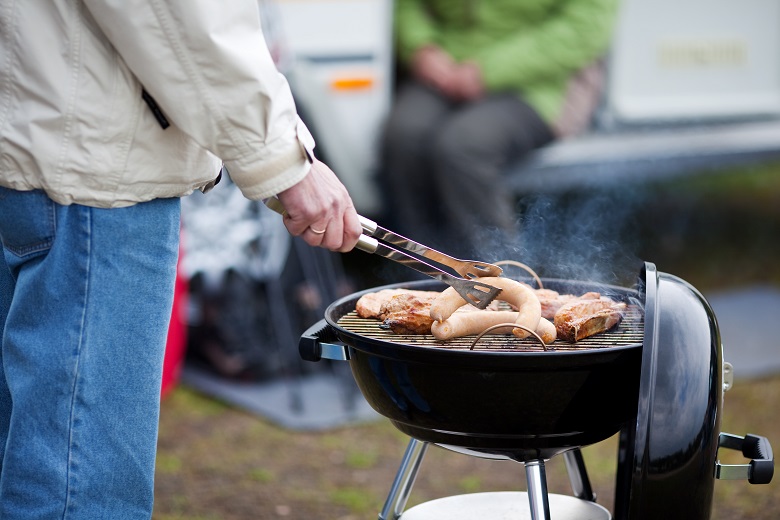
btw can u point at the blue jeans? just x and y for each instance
(85, 302)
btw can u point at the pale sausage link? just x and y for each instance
(467, 323)
(545, 329)
(521, 296)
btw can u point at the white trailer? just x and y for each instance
(691, 84)
(340, 69)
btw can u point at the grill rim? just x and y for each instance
(501, 357)
(632, 331)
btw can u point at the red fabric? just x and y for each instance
(177, 335)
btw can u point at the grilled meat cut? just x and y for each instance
(370, 304)
(407, 313)
(581, 318)
(552, 300)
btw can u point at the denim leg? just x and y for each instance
(6, 292)
(83, 343)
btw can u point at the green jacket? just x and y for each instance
(531, 47)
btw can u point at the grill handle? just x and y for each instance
(315, 344)
(761, 467)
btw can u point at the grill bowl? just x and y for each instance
(509, 398)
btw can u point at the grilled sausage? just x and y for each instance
(465, 323)
(517, 294)
(545, 329)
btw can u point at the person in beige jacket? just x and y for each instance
(110, 111)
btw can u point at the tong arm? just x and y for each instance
(465, 268)
(474, 292)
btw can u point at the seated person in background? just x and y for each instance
(487, 82)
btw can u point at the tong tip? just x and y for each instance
(481, 269)
(483, 295)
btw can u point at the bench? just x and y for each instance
(607, 158)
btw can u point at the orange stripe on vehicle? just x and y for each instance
(352, 83)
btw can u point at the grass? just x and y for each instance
(246, 468)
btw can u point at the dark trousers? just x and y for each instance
(444, 164)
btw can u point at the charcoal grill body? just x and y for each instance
(520, 405)
(550, 403)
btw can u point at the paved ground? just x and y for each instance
(313, 402)
(748, 321)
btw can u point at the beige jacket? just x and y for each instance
(73, 121)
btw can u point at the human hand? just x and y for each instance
(458, 81)
(434, 67)
(467, 81)
(320, 210)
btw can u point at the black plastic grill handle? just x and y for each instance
(761, 468)
(317, 342)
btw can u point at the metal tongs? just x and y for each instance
(477, 293)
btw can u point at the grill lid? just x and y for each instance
(667, 456)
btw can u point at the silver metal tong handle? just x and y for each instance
(476, 293)
(465, 268)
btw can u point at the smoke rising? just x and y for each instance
(592, 236)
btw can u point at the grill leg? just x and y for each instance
(537, 490)
(404, 480)
(578, 475)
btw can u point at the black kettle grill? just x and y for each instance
(658, 379)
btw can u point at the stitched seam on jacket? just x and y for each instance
(169, 29)
(7, 89)
(75, 63)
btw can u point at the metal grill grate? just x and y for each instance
(629, 332)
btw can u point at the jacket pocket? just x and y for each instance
(27, 221)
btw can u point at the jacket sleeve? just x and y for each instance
(577, 34)
(207, 66)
